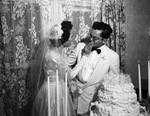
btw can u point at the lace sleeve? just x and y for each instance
(78, 67)
(71, 59)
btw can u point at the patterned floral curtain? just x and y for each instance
(20, 25)
(25, 22)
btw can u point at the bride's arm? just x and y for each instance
(74, 72)
(85, 53)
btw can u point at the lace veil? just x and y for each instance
(36, 75)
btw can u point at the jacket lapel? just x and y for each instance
(100, 69)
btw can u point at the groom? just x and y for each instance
(104, 60)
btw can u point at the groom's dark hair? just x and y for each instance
(105, 28)
(66, 27)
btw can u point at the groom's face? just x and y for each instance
(96, 38)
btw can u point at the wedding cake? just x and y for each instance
(117, 97)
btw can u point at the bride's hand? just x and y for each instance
(87, 49)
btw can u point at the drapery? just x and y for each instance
(25, 22)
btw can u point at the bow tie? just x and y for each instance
(97, 50)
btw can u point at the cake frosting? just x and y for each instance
(117, 97)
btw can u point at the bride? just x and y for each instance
(47, 60)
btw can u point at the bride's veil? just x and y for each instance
(37, 76)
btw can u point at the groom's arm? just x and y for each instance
(115, 67)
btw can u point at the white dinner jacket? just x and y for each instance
(108, 62)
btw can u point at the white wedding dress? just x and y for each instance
(40, 106)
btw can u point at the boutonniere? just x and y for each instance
(102, 55)
(80, 90)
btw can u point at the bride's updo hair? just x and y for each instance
(56, 32)
(66, 27)
(55, 35)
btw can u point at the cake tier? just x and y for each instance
(117, 97)
(120, 95)
(115, 110)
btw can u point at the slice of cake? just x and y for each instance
(117, 97)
